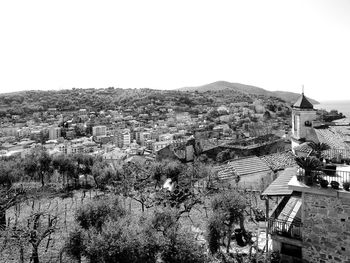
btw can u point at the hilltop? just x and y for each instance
(194, 99)
(290, 97)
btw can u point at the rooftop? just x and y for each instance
(280, 187)
(279, 161)
(334, 137)
(243, 166)
(303, 103)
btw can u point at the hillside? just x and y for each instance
(26, 103)
(224, 85)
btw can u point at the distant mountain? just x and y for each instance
(224, 85)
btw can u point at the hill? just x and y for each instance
(224, 85)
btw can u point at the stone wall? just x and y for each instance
(326, 231)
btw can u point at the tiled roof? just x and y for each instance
(333, 137)
(279, 161)
(241, 167)
(280, 185)
(304, 147)
(303, 103)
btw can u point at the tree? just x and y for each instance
(229, 209)
(318, 148)
(35, 228)
(308, 164)
(8, 198)
(38, 163)
(106, 174)
(125, 238)
(65, 167)
(40, 225)
(157, 173)
(10, 171)
(74, 245)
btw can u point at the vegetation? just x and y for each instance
(229, 209)
(28, 102)
(132, 218)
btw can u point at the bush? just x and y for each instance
(346, 186)
(324, 183)
(75, 244)
(95, 214)
(335, 185)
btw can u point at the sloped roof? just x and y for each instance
(280, 185)
(303, 103)
(279, 161)
(304, 147)
(249, 165)
(243, 166)
(333, 137)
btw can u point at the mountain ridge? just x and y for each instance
(249, 89)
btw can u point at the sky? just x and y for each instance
(163, 44)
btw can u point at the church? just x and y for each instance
(306, 128)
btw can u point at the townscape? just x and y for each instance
(226, 174)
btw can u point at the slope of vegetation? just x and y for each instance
(84, 209)
(27, 102)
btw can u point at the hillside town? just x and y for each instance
(294, 158)
(121, 133)
(174, 131)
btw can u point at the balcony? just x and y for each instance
(336, 176)
(337, 155)
(285, 220)
(285, 228)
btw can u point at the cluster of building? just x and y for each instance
(304, 222)
(134, 131)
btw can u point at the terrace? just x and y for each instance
(337, 178)
(334, 171)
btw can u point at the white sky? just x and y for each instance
(276, 45)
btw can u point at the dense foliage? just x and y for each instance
(107, 233)
(28, 102)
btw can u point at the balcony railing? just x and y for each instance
(285, 228)
(338, 155)
(331, 174)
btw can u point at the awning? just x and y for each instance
(291, 211)
(279, 187)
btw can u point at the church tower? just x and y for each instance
(303, 114)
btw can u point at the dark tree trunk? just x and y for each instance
(2, 218)
(42, 180)
(35, 255)
(229, 233)
(241, 222)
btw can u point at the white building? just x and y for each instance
(99, 130)
(303, 114)
(54, 133)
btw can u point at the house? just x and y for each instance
(311, 222)
(305, 128)
(246, 172)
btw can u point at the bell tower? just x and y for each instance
(303, 114)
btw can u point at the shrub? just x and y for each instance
(324, 183)
(95, 214)
(335, 184)
(346, 186)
